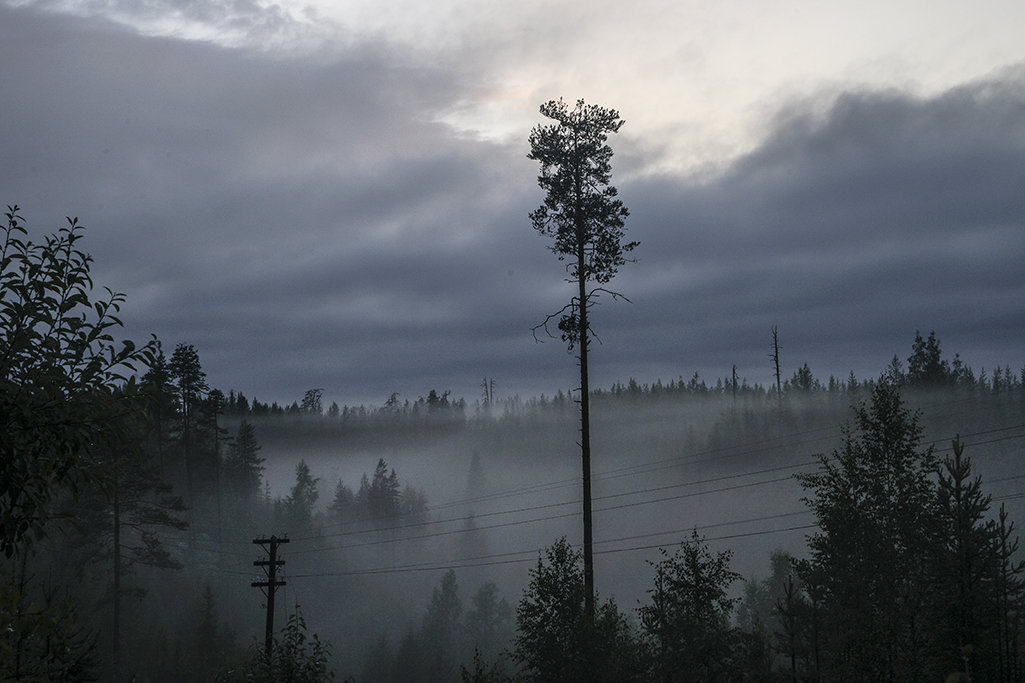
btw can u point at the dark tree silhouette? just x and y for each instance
(64, 395)
(187, 371)
(961, 571)
(875, 503)
(312, 402)
(441, 629)
(775, 361)
(298, 505)
(297, 656)
(161, 399)
(59, 368)
(244, 466)
(1010, 603)
(688, 619)
(926, 367)
(343, 505)
(489, 621)
(139, 504)
(584, 218)
(557, 641)
(380, 499)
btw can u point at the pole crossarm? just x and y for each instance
(270, 566)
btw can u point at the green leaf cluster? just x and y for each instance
(66, 384)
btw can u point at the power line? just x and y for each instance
(718, 455)
(570, 514)
(494, 559)
(607, 497)
(576, 501)
(497, 559)
(699, 457)
(544, 506)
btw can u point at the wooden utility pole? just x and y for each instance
(271, 564)
(489, 391)
(775, 359)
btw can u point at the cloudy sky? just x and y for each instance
(334, 193)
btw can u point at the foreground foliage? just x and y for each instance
(63, 379)
(906, 576)
(687, 623)
(66, 399)
(297, 657)
(556, 640)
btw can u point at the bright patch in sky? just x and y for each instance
(697, 82)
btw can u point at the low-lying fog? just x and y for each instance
(660, 470)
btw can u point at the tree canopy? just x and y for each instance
(65, 383)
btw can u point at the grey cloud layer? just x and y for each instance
(306, 224)
(851, 228)
(241, 23)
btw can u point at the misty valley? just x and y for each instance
(157, 528)
(389, 368)
(741, 533)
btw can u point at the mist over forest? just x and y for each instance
(302, 437)
(157, 528)
(671, 458)
(822, 528)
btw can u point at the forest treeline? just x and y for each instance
(132, 495)
(925, 370)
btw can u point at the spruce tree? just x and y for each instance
(875, 502)
(190, 379)
(442, 630)
(243, 467)
(299, 504)
(687, 621)
(557, 641)
(926, 367)
(383, 498)
(343, 504)
(963, 633)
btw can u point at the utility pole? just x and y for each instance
(489, 391)
(270, 584)
(775, 358)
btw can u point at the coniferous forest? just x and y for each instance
(821, 529)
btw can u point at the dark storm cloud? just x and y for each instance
(306, 223)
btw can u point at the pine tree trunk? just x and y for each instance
(585, 411)
(585, 455)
